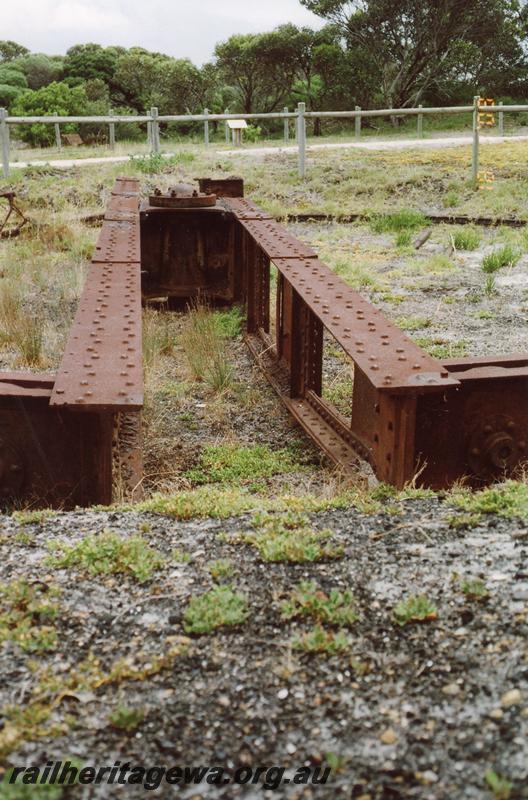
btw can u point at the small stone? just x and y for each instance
(428, 776)
(282, 694)
(224, 701)
(511, 698)
(496, 713)
(389, 736)
(451, 689)
(290, 748)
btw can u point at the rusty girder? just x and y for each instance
(67, 439)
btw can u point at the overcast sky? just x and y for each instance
(178, 27)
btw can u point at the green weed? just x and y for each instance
(221, 568)
(466, 238)
(126, 719)
(509, 499)
(416, 608)
(230, 463)
(289, 537)
(28, 611)
(506, 256)
(474, 590)
(499, 786)
(220, 607)
(319, 641)
(404, 219)
(309, 600)
(108, 554)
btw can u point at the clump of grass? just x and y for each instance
(221, 568)
(289, 537)
(412, 323)
(158, 340)
(451, 199)
(32, 517)
(484, 314)
(224, 502)
(506, 256)
(437, 347)
(205, 348)
(499, 786)
(466, 238)
(474, 590)
(416, 608)
(309, 600)
(509, 500)
(229, 323)
(319, 641)
(231, 463)
(404, 219)
(463, 521)
(24, 331)
(220, 607)
(126, 719)
(107, 553)
(150, 164)
(403, 239)
(28, 610)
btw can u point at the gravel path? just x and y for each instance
(421, 711)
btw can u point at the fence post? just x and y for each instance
(301, 138)
(286, 126)
(420, 124)
(4, 136)
(357, 123)
(475, 153)
(206, 127)
(111, 131)
(58, 141)
(501, 123)
(154, 131)
(226, 111)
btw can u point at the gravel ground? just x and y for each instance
(421, 711)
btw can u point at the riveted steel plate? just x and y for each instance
(126, 186)
(391, 360)
(244, 209)
(275, 240)
(102, 365)
(117, 242)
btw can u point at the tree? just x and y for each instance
(39, 69)
(261, 68)
(10, 50)
(57, 98)
(12, 83)
(414, 45)
(89, 61)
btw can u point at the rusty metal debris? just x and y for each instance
(14, 219)
(63, 437)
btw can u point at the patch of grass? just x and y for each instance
(204, 345)
(158, 339)
(438, 264)
(403, 239)
(509, 500)
(404, 219)
(506, 256)
(222, 503)
(355, 274)
(126, 719)
(499, 786)
(339, 393)
(150, 164)
(309, 600)
(289, 537)
(27, 611)
(229, 323)
(33, 517)
(466, 238)
(464, 521)
(416, 608)
(221, 568)
(219, 608)
(438, 348)
(474, 590)
(181, 556)
(233, 464)
(107, 553)
(483, 314)
(319, 641)
(451, 199)
(412, 323)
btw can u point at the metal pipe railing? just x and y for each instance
(153, 120)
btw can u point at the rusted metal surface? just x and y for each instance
(71, 438)
(222, 187)
(14, 219)
(175, 198)
(68, 439)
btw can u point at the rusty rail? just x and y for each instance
(64, 438)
